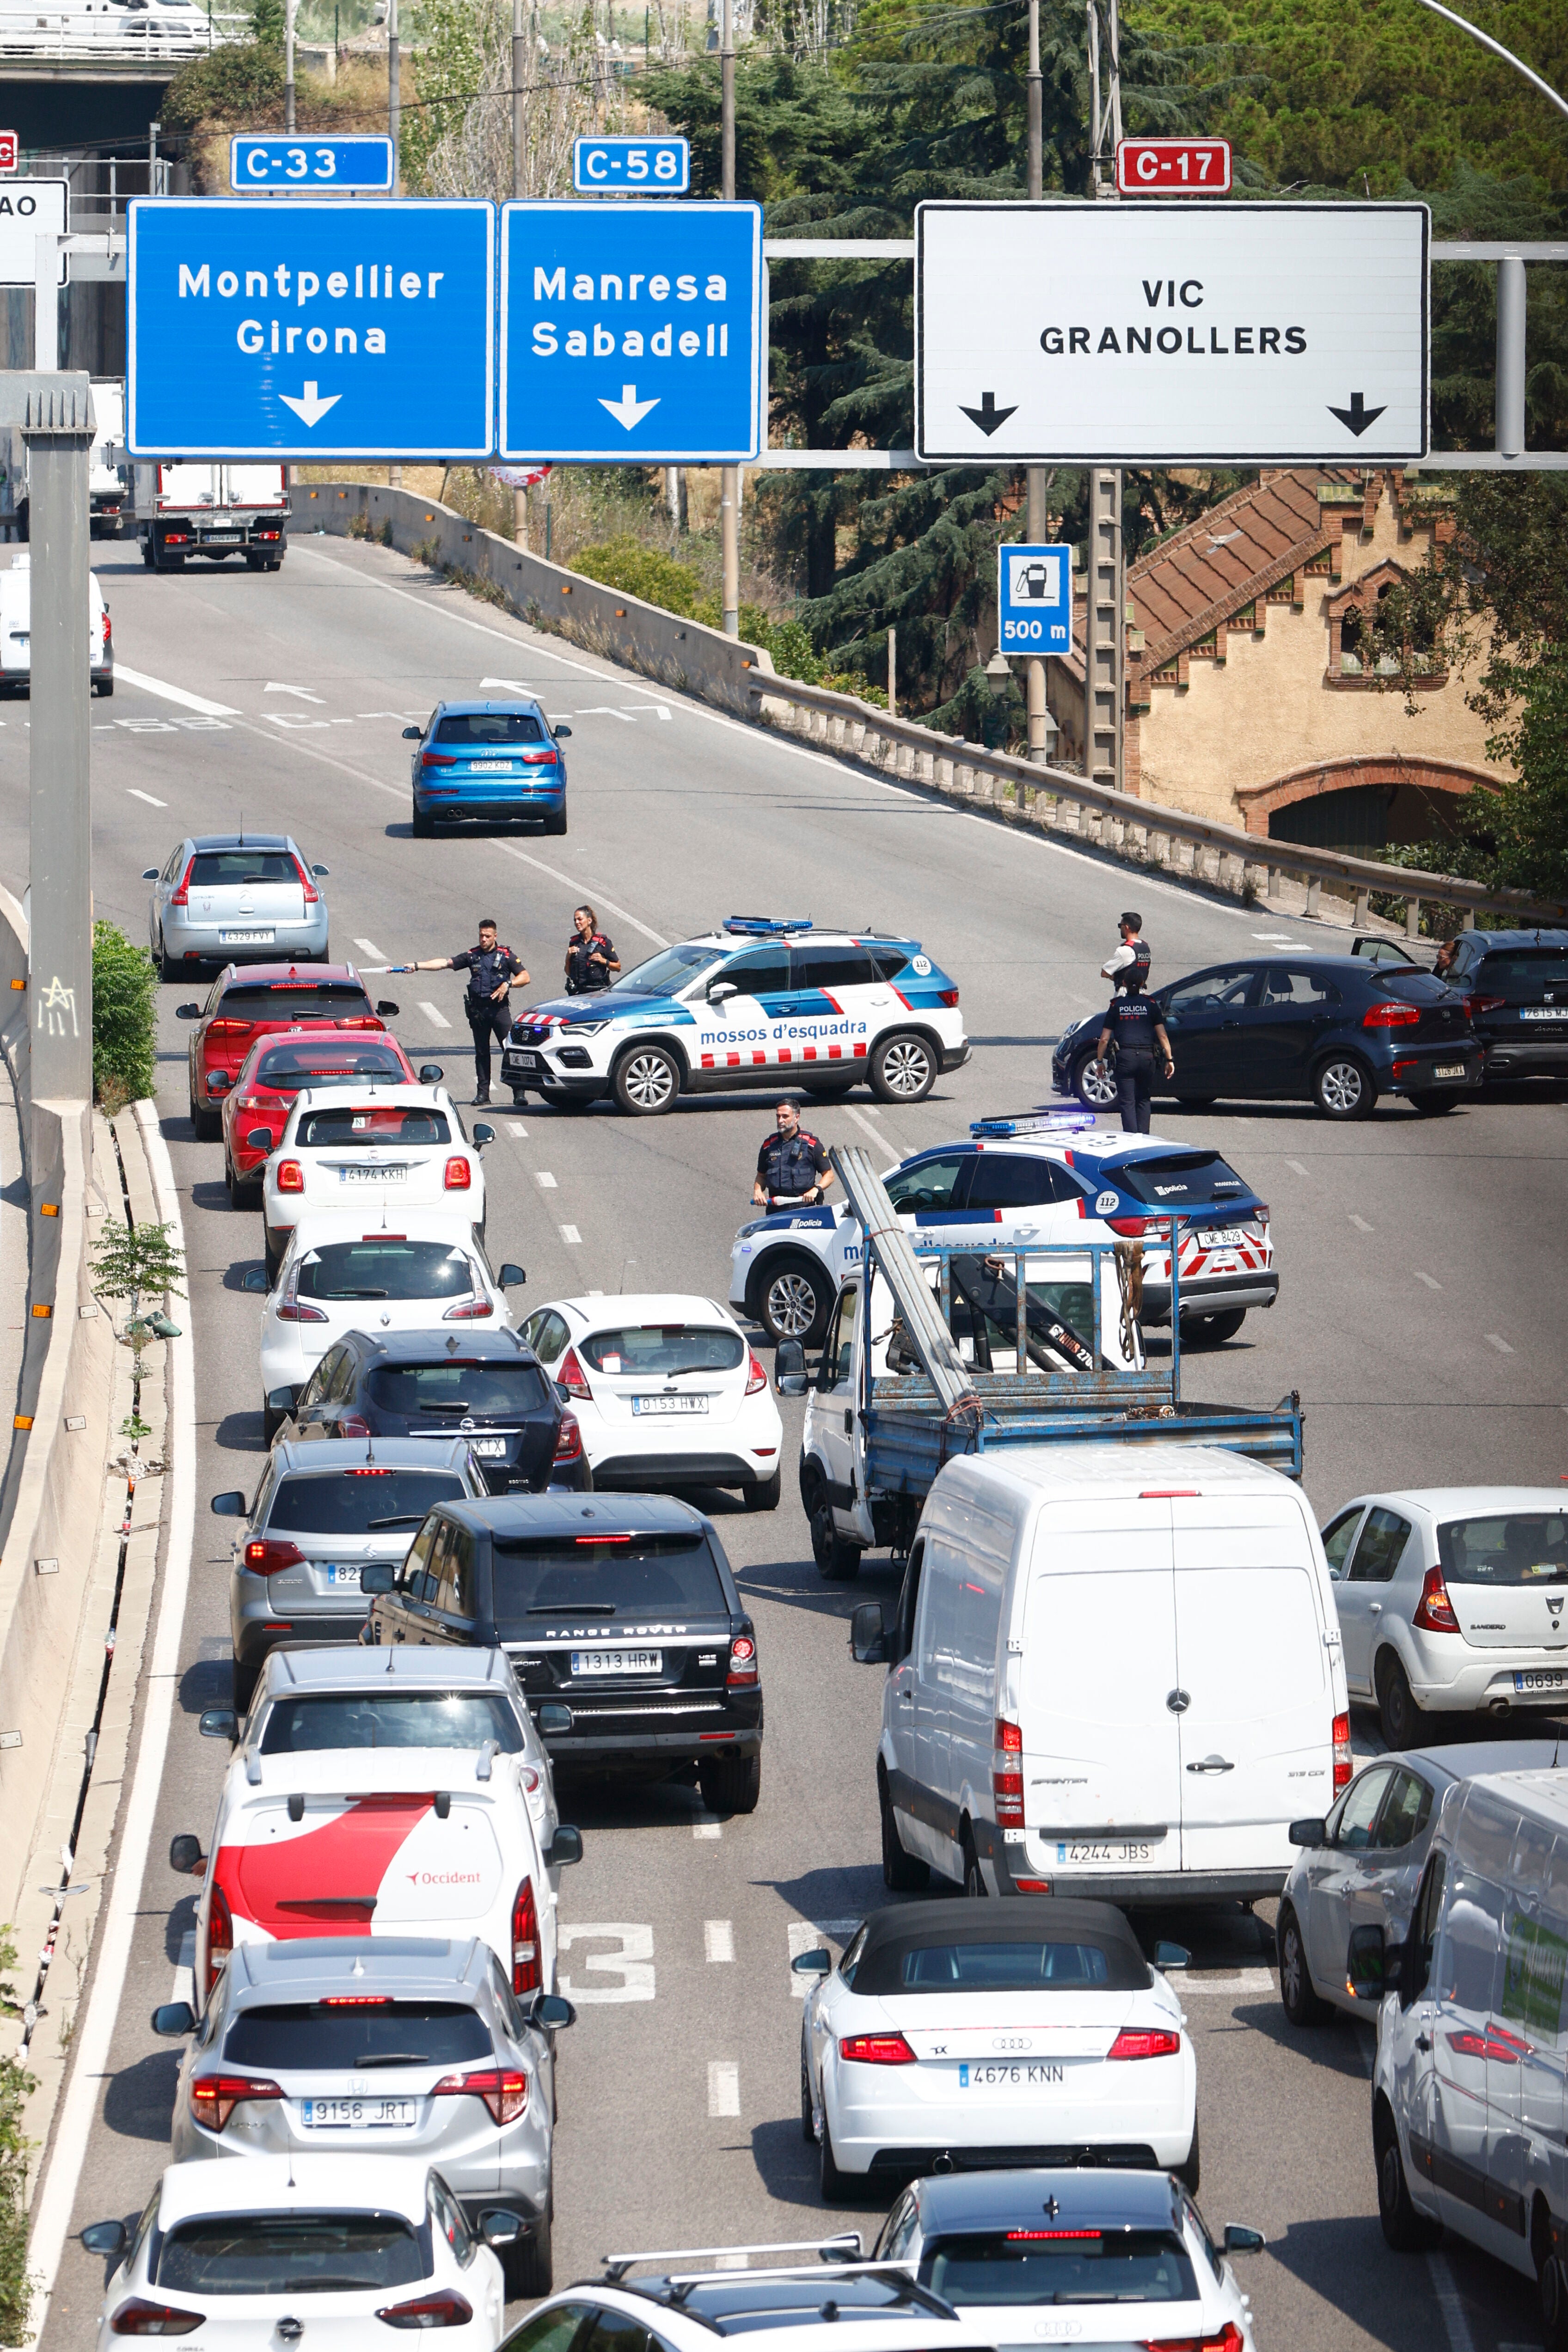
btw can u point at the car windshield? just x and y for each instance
(460, 1387)
(356, 1502)
(605, 1576)
(1174, 1181)
(1505, 1548)
(667, 973)
(212, 869)
(1011, 1966)
(655, 1348)
(296, 999)
(291, 2253)
(1061, 2265)
(359, 1126)
(285, 1070)
(489, 727)
(382, 1267)
(314, 1722)
(361, 2029)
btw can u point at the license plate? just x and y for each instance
(489, 767)
(1543, 1011)
(668, 1404)
(245, 939)
(1449, 1070)
(490, 1449)
(345, 1576)
(1086, 1853)
(1034, 2075)
(357, 2114)
(522, 1061)
(1541, 1678)
(223, 539)
(617, 1662)
(373, 1172)
(1221, 1237)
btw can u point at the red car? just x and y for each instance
(272, 1074)
(247, 1002)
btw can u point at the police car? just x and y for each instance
(744, 1007)
(1041, 1176)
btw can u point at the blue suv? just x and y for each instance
(495, 761)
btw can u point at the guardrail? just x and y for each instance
(63, 40)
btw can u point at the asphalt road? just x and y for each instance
(1423, 1269)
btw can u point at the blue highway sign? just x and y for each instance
(649, 167)
(321, 167)
(1034, 599)
(323, 330)
(631, 330)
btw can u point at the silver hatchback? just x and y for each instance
(321, 1514)
(360, 2046)
(235, 898)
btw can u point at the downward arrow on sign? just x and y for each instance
(308, 406)
(628, 410)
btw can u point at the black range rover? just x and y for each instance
(621, 1618)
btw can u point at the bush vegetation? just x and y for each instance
(124, 989)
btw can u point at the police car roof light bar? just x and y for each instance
(1039, 1121)
(762, 925)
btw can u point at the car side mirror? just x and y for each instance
(282, 1399)
(553, 1719)
(259, 1139)
(324, 871)
(104, 2237)
(718, 989)
(789, 1367)
(186, 1856)
(1171, 1956)
(554, 2012)
(566, 1847)
(219, 1723)
(150, 874)
(218, 1082)
(1313, 1832)
(511, 1278)
(254, 1279)
(813, 1964)
(1240, 2239)
(385, 1006)
(1368, 1969)
(172, 2019)
(413, 734)
(560, 733)
(187, 1012)
(868, 1636)
(500, 2228)
(377, 1576)
(483, 1134)
(431, 1073)
(231, 1506)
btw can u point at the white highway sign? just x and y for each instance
(1166, 332)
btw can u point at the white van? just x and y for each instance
(16, 630)
(1115, 1671)
(1469, 2096)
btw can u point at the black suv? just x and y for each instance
(1515, 986)
(488, 1386)
(621, 1619)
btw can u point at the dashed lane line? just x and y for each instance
(572, 1237)
(1361, 1223)
(1493, 1340)
(723, 2087)
(718, 1940)
(438, 1020)
(135, 795)
(544, 1180)
(1426, 1278)
(1297, 1167)
(368, 949)
(706, 1829)
(515, 1127)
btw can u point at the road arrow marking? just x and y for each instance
(988, 416)
(310, 407)
(303, 692)
(1358, 416)
(628, 410)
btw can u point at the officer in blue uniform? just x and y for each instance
(1139, 1032)
(492, 970)
(791, 1164)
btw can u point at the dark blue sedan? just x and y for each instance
(494, 761)
(1337, 1031)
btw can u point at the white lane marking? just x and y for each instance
(633, 1963)
(595, 1294)
(515, 685)
(368, 948)
(135, 795)
(436, 1019)
(1297, 1167)
(184, 1984)
(809, 1935)
(723, 2087)
(304, 693)
(542, 1176)
(515, 1127)
(292, 721)
(718, 1940)
(604, 710)
(860, 1119)
(1244, 1981)
(555, 875)
(174, 694)
(741, 2261)
(1500, 1345)
(706, 1829)
(95, 2031)
(1360, 1223)
(1455, 2326)
(1428, 1280)
(572, 1237)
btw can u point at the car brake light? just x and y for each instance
(215, 2097)
(437, 759)
(572, 1377)
(360, 1020)
(1132, 1226)
(265, 1556)
(446, 2309)
(1007, 1782)
(755, 1377)
(1029, 2237)
(1144, 2041)
(742, 1661)
(1342, 1752)
(228, 1028)
(538, 759)
(526, 1974)
(359, 1999)
(569, 1441)
(503, 2089)
(1435, 1611)
(1479, 1004)
(1391, 1014)
(1403, 1069)
(458, 1176)
(220, 1935)
(949, 996)
(182, 897)
(1229, 2339)
(140, 2317)
(290, 1176)
(312, 896)
(876, 2050)
(469, 1310)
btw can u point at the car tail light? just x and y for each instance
(446, 2309)
(458, 1176)
(220, 1935)
(1435, 1611)
(1342, 1729)
(503, 2089)
(538, 759)
(569, 1440)
(226, 1028)
(1007, 1776)
(290, 1176)
(1475, 1005)
(290, 1310)
(876, 2050)
(361, 1020)
(182, 897)
(1403, 1069)
(755, 1377)
(1031, 2236)
(573, 1377)
(265, 1557)
(526, 1976)
(1257, 1220)
(106, 629)
(215, 2097)
(312, 896)
(469, 1310)
(1391, 1014)
(1229, 2339)
(742, 1661)
(140, 2317)
(352, 1424)
(1133, 1227)
(1144, 2041)
(437, 759)
(949, 995)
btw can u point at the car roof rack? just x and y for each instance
(848, 2242)
(764, 926)
(1041, 1120)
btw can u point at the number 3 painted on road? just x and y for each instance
(633, 1963)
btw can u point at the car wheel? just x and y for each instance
(530, 2266)
(1398, 1713)
(974, 1887)
(903, 1069)
(206, 1124)
(837, 1562)
(243, 1193)
(1095, 1087)
(1190, 2172)
(807, 2119)
(794, 1300)
(1433, 1101)
(836, 2184)
(103, 685)
(764, 1495)
(167, 967)
(830, 1094)
(422, 825)
(646, 1081)
(1212, 1330)
(1301, 2004)
(556, 824)
(902, 1874)
(730, 1784)
(1343, 1088)
(1554, 2305)
(1407, 2230)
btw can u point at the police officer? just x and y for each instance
(1131, 956)
(792, 1165)
(591, 957)
(492, 969)
(1136, 1025)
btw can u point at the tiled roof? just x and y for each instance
(1236, 551)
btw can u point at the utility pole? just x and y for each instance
(393, 97)
(518, 132)
(729, 479)
(290, 8)
(1035, 669)
(1105, 628)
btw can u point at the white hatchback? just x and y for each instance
(228, 2248)
(667, 1392)
(393, 1144)
(1033, 2030)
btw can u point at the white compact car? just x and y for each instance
(345, 1271)
(1035, 2029)
(829, 2300)
(242, 2248)
(1453, 1600)
(398, 1144)
(666, 1391)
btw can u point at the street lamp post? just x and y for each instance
(730, 479)
(1035, 671)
